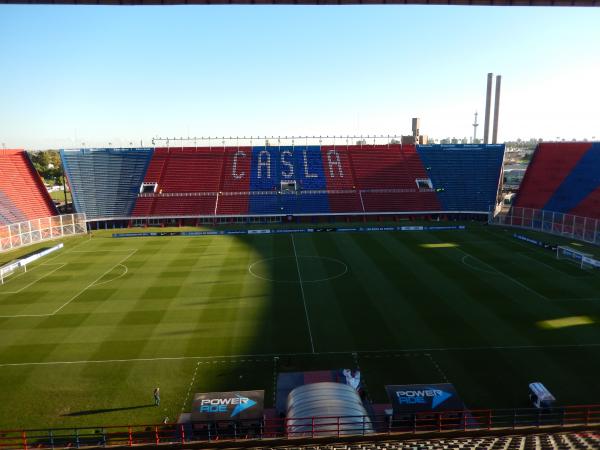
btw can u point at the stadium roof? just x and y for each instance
(315, 2)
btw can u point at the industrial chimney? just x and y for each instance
(496, 110)
(488, 100)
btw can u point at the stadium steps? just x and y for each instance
(23, 195)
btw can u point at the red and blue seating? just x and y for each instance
(23, 195)
(302, 180)
(563, 177)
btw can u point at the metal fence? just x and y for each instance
(20, 234)
(575, 227)
(276, 428)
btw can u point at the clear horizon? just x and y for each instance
(100, 74)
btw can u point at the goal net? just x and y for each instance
(10, 269)
(582, 259)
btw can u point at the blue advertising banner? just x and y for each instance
(237, 405)
(413, 398)
(546, 245)
(289, 231)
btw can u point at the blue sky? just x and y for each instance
(119, 74)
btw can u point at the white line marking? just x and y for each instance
(60, 266)
(190, 387)
(104, 251)
(116, 278)
(93, 282)
(375, 353)
(312, 344)
(319, 280)
(504, 275)
(75, 296)
(437, 367)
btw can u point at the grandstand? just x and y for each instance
(23, 195)
(247, 306)
(105, 182)
(309, 180)
(563, 177)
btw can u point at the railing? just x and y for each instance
(38, 230)
(575, 227)
(275, 428)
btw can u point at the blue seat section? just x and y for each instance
(272, 165)
(465, 176)
(581, 182)
(105, 182)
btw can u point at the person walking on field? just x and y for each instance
(157, 397)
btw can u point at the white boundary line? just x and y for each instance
(236, 358)
(251, 272)
(104, 251)
(312, 343)
(187, 396)
(75, 296)
(94, 282)
(116, 278)
(60, 266)
(502, 273)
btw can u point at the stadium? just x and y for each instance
(268, 269)
(312, 292)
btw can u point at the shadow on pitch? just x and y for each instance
(89, 412)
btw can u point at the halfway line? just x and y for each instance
(312, 344)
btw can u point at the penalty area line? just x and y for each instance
(238, 358)
(57, 310)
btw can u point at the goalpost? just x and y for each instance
(582, 259)
(9, 269)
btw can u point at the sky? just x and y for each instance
(94, 75)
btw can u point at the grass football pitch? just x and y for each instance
(88, 332)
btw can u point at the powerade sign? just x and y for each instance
(290, 231)
(424, 397)
(237, 405)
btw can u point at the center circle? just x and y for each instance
(292, 269)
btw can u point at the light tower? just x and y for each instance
(475, 125)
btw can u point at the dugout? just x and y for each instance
(326, 409)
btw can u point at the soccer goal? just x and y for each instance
(582, 259)
(10, 269)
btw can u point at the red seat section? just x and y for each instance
(343, 194)
(550, 165)
(400, 201)
(23, 195)
(233, 204)
(186, 170)
(589, 207)
(235, 184)
(143, 206)
(184, 205)
(387, 176)
(195, 169)
(380, 167)
(337, 168)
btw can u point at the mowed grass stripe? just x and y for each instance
(194, 297)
